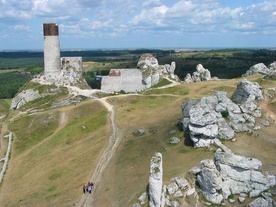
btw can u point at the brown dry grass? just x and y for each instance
(52, 171)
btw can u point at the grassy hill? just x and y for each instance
(55, 151)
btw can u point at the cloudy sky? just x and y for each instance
(139, 23)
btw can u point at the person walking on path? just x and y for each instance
(84, 189)
(89, 189)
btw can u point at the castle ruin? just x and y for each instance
(52, 64)
(59, 70)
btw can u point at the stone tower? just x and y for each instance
(52, 64)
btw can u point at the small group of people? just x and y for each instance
(88, 188)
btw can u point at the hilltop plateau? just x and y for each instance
(57, 148)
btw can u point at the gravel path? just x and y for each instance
(114, 139)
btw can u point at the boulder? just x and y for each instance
(142, 198)
(181, 182)
(265, 122)
(188, 78)
(139, 132)
(172, 188)
(174, 140)
(259, 202)
(155, 180)
(246, 88)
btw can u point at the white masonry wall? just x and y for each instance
(52, 64)
(130, 80)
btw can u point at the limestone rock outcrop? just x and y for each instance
(205, 119)
(152, 72)
(168, 69)
(148, 64)
(246, 88)
(155, 180)
(229, 174)
(268, 72)
(26, 96)
(272, 66)
(201, 74)
(258, 68)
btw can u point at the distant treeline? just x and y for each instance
(10, 83)
(228, 63)
(223, 64)
(28, 59)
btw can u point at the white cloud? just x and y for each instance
(86, 18)
(21, 27)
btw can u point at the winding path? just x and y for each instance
(87, 199)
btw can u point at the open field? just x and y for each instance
(56, 151)
(53, 155)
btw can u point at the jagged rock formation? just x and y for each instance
(229, 174)
(168, 69)
(201, 74)
(205, 118)
(155, 180)
(149, 67)
(152, 72)
(246, 88)
(160, 194)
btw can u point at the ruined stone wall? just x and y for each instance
(52, 65)
(74, 62)
(129, 80)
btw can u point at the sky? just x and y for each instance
(99, 24)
